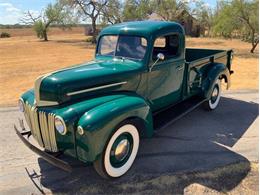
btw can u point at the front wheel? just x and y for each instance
(119, 153)
(213, 102)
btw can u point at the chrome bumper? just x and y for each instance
(49, 158)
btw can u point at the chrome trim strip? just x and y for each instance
(47, 103)
(52, 132)
(95, 88)
(37, 85)
(44, 130)
(27, 117)
(35, 125)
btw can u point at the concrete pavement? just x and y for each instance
(200, 141)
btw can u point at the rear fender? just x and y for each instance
(217, 71)
(100, 122)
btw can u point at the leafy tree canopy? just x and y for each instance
(238, 16)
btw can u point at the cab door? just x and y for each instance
(165, 78)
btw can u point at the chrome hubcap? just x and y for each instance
(122, 149)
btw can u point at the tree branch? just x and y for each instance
(29, 19)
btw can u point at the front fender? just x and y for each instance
(100, 122)
(217, 71)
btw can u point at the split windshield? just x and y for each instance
(132, 47)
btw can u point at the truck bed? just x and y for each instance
(195, 57)
(198, 62)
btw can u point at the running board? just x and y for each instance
(172, 114)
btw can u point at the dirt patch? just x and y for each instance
(24, 58)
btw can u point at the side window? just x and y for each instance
(160, 42)
(167, 45)
(174, 46)
(174, 41)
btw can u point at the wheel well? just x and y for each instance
(138, 122)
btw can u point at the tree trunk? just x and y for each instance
(94, 31)
(254, 46)
(45, 35)
(209, 31)
(253, 41)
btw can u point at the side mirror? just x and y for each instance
(160, 56)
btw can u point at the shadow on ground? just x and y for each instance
(189, 151)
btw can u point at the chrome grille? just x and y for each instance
(42, 127)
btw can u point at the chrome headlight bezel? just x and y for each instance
(80, 130)
(60, 125)
(21, 105)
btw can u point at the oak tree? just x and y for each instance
(53, 14)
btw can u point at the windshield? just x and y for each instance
(133, 47)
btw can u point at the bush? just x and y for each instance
(40, 29)
(5, 35)
(92, 40)
(89, 40)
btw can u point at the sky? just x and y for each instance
(12, 10)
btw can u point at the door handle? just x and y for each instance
(180, 67)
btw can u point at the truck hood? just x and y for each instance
(81, 81)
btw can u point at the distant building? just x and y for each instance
(189, 23)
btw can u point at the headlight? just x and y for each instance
(21, 105)
(60, 125)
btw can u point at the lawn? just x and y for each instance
(23, 58)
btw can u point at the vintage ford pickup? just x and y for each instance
(97, 112)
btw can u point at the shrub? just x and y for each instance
(91, 39)
(5, 35)
(40, 29)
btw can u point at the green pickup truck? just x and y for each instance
(97, 112)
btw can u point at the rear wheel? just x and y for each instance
(213, 102)
(119, 153)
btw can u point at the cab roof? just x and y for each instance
(143, 28)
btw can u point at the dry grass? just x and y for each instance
(24, 58)
(53, 31)
(221, 178)
(244, 64)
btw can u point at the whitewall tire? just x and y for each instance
(119, 153)
(213, 102)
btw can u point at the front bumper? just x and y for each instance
(51, 159)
